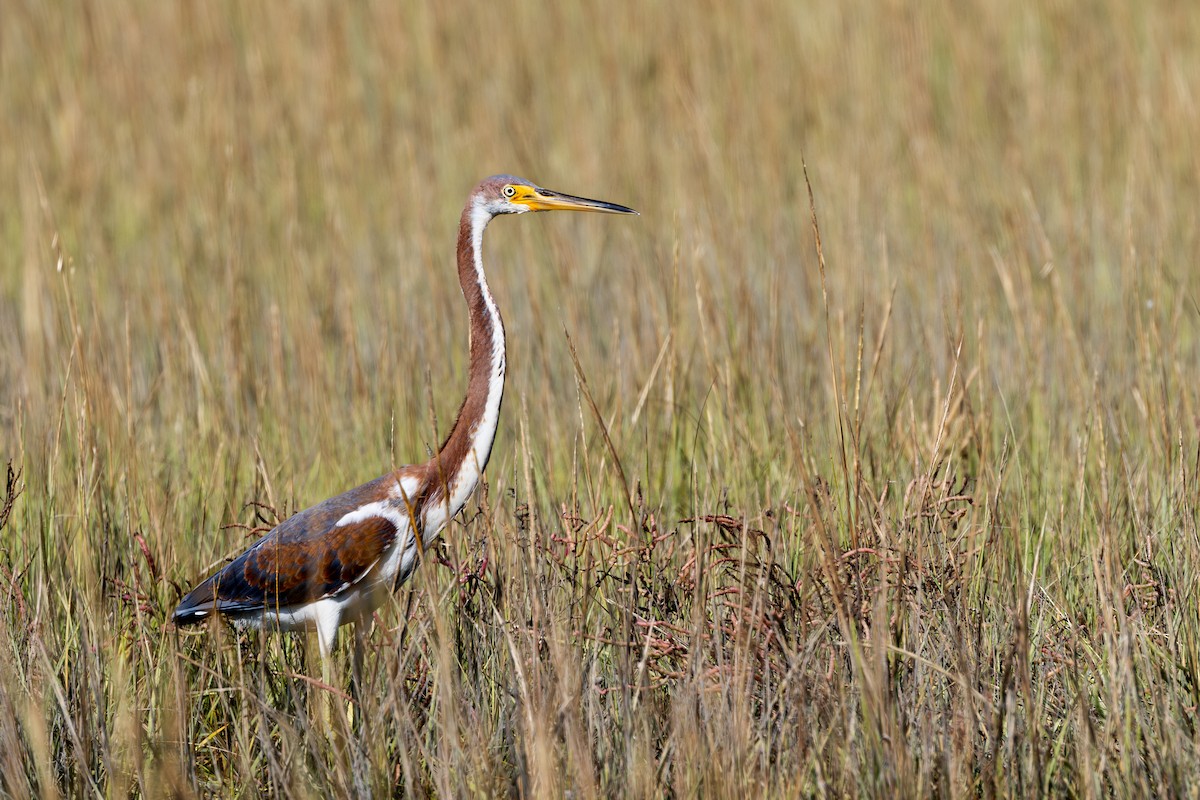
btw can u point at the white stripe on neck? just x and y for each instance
(481, 436)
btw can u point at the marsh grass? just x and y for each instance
(890, 494)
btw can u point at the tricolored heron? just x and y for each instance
(337, 561)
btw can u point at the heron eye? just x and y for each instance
(509, 191)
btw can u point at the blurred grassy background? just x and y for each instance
(936, 535)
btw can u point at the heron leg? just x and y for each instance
(327, 618)
(356, 674)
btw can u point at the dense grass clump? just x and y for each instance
(890, 493)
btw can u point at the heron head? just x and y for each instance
(507, 194)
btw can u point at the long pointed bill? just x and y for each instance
(546, 200)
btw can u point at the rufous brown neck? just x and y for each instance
(456, 469)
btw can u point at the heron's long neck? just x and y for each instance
(465, 453)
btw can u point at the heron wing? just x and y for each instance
(320, 552)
